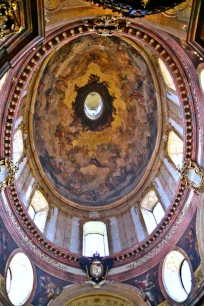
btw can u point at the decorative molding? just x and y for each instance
(106, 25)
(12, 170)
(9, 19)
(98, 285)
(31, 34)
(94, 215)
(188, 165)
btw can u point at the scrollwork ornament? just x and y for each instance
(11, 171)
(106, 25)
(184, 172)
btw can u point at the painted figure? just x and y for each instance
(149, 290)
(47, 291)
(191, 247)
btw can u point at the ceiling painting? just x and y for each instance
(95, 120)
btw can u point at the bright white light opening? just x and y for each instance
(93, 106)
(95, 238)
(176, 276)
(17, 146)
(202, 79)
(152, 211)
(19, 279)
(175, 149)
(166, 75)
(38, 210)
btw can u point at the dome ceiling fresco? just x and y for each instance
(95, 119)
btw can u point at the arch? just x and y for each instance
(166, 75)
(126, 294)
(95, 238)
(152, 211)
(18, 146)
(20, 283)
(38, 210)
(175, 149)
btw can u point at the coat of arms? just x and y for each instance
(96, 269)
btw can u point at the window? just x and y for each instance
(176, 276)
(17, 146)
(93, 106)
(38, 210)
(95, 238)
(175, 149)
(2, 80)
(202, 80)
(166, 75)
(152, 211)
(19, 279)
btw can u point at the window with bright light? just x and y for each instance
(2, 80)
(152, 211)
(175, 149)
(166, 75)
(202, 80)
(38, 210)
(19, 279)
(17, 146)
(95, 238)
(176, 276)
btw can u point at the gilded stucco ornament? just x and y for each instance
(94, 214)
(106, 25)
(7, 173)
(9, 23)
(192, 175)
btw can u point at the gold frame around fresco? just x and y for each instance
(12, 169)
(189, 164)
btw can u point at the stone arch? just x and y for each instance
(125, 294)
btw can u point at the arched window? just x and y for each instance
(176, 276)
(166, 75)
(38, 210)
(202, 79)
(152, 211)
(175, 149)
(2, 80)
(95, 238)
(19, 279)
(17, 146)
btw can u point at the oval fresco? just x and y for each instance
(95, 162)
